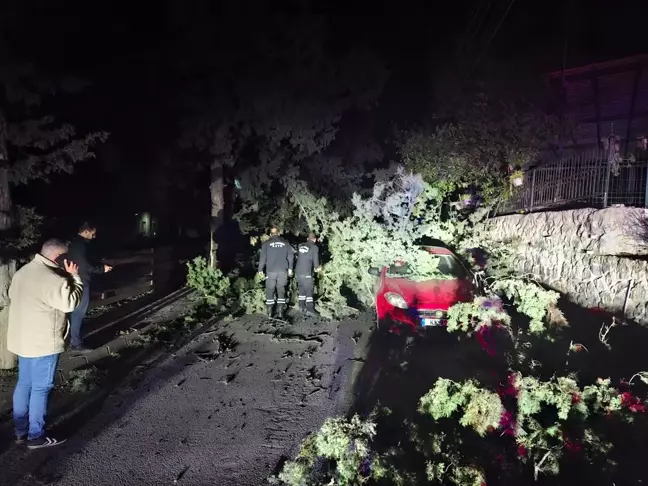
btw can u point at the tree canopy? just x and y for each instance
(475, 135)
(270, 119)
(33, 144)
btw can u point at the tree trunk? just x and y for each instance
(7, 266)
(217, 208)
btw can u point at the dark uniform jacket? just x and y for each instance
(307, 258)
(276, 256)
(78, 253)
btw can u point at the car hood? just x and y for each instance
(432, 294)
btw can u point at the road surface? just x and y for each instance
(196, 419)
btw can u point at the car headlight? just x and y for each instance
(396, 300)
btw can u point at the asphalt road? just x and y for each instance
(196, 420)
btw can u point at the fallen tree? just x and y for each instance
(532, 423)
(522, 423)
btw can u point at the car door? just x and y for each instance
(471, 277)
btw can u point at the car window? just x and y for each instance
(448, 267)
(399, 269)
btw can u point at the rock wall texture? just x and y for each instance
(596, 258)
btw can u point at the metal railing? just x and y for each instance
(587, 179)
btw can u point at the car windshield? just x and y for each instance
(445, 267)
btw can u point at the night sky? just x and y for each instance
(126, 49)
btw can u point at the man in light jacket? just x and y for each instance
(41, 294)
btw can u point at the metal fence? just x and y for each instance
(587, 179)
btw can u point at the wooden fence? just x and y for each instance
(135, 273)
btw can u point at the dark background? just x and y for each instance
(125, 49)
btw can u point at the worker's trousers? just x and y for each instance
(276, 284)
(306, 286)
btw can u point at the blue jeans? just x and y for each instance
(35, 380)
(77, 316)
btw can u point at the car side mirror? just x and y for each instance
(374, 271)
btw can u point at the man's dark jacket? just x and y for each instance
(277, 256)
(78, 253)
(308, 258)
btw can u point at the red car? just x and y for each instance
(402, 300)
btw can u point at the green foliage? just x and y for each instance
(480, 409)
(250, 294)
(444, 461)
(383, 228)
(528, 297)
(24, 233)
(545, 440)
(543, 411)
(531, 299)
(33, 145)
(83, 381)
(45, 151)
(482, 311)
(442, 473)
(210, 282)
(221, 291)
(516, 174)
(37, 145)
(474, 137)
(346, 445)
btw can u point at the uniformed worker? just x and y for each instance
(277, 259)
(307, 262)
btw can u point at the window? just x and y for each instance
(448, 267)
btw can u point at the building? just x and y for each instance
(604, 99)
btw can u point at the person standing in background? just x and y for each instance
(277, 259)
(78, 253)
(307, 263)
(41, 294)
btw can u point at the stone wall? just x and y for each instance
(594, 257)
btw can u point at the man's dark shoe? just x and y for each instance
(280, 311)
(43, 442)
(269, 309)
(21, 439)
(81, 349)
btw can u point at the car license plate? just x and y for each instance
(431, 322)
